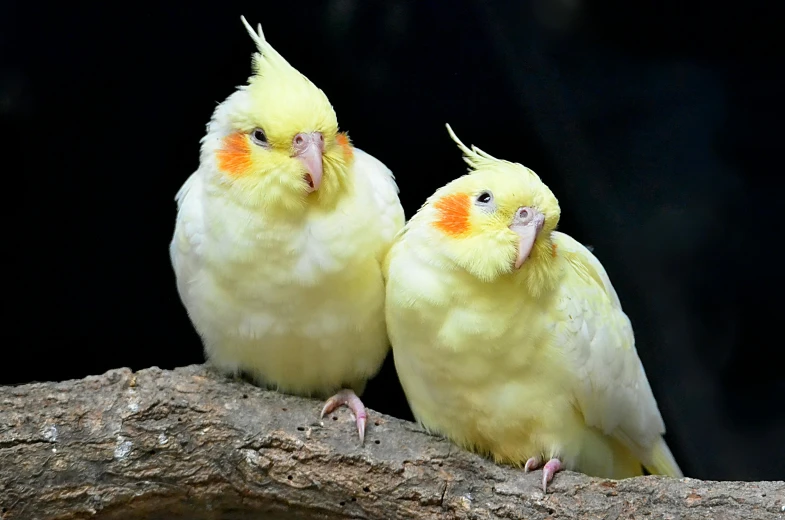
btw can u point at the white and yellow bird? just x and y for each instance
(280, 238)
(508, 336)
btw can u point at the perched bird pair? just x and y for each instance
(296, 267)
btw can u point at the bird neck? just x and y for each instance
(540, 273)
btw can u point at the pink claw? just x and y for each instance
(532, 464)
(349, 398)
(550, 469)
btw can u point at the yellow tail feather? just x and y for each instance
(662, 461)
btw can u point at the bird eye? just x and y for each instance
(485, 197)
(258, 137)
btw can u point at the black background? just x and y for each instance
(656, 124)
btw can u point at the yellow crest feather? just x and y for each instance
(474, 157)
(267, 55)
(478, 159)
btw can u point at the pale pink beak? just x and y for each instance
(309, 147)
(527, 223)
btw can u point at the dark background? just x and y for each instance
(655, 123)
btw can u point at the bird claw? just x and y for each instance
(350, 399)
(548, 471)
(532, 464)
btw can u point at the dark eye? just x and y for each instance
(258, 136)
(485, 197)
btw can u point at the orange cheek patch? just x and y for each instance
(453, 213)
(343, 141)
(235, 156)
(554, 250)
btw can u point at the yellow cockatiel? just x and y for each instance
(508, 336)
(280, 238)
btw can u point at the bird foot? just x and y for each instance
(349, 398)
(548, 470)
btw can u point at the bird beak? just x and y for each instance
(527, 224)
(309, 148)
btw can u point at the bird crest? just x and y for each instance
(267, 58)
(480, 160)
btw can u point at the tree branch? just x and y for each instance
(192, 444)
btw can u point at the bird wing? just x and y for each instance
(186, 250)
(611, 389)
(376, 182)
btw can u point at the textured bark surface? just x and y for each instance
(192, 444)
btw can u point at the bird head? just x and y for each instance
(275, 141)
(492, 222)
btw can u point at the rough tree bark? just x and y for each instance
(191, 444)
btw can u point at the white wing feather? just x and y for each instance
(375, 181)
(612, 390)
(186, 248)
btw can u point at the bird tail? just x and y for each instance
(662, 461)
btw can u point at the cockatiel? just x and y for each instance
(508, 337)
(280, 238)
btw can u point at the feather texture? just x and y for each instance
(518, 364)
(282, 283)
